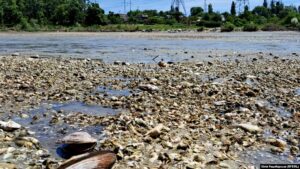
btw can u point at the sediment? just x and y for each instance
(178, 115)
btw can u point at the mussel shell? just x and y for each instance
(95, 160)
(76, 149)
(78, 138)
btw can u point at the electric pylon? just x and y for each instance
(205, 6)
(242, 4)
(176, 5)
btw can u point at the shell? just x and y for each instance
(9, 126)
(249, 127)
(69, 150)
(96, 160)
(78, 138)
(148, 87)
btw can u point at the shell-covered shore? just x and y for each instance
(170, 115)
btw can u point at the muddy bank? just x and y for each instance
(190, 114)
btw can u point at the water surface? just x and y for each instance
(142, 49)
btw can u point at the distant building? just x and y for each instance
(143, 16)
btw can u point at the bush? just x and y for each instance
(273, 27)
(201, 29)
(251, 27)
(210, 24)
(25, 25)
(294, 21)
(227, 27)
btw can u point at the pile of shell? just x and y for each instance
(79, 146)
(180, 115)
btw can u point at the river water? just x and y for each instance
(142, 47)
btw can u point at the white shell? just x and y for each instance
(148, 87)
(249, 127)
(9, 126)
(78, 138)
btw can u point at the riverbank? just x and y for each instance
(189, 114)
(106, 28)
(147, 28)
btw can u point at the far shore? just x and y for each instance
(162, 34)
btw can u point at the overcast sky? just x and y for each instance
(218, 5)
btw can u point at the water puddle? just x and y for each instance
(265, 157)
(113, 92)
(281, 111)
(40, 121)
(297, 92)
(251, 82)
(84, 108)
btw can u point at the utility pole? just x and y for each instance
(130, 5)
(124, 6)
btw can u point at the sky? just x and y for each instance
(117, 6)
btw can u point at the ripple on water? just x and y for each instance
(48, 134)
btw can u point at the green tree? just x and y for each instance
(246, 9)
(114, 18)
(210, 9)
(299, 9)
(273, 7)
(11, 13)
(1, 13)
(196, 11)
(95, 15)
(261, 11)
(233, 8)
(61, 14)
(279, 7)
(76, 12)
(265, 4)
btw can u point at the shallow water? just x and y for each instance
(297, 92)
(265, 157)
(113, 92)
(84, 108)
(143, 49)
(49, 134)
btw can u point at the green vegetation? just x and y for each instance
(81, 15)
(227, 27)
(251, 27)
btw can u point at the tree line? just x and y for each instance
(34, 13)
